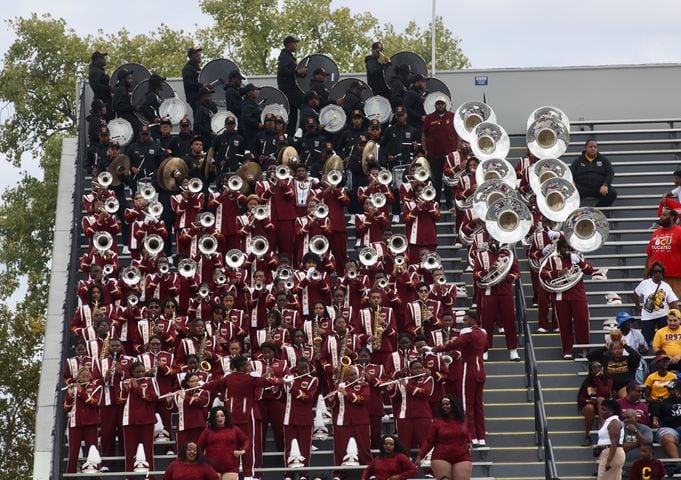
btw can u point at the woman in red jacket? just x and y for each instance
(392, 462)
(223, 443)
(191, 466)
(449, 435)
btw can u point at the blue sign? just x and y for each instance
(481, 80)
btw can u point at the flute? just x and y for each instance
(338, 389)
(393, 382)
(178, 391)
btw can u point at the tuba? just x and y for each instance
(490, 141)
(102, 241)
(499, 270)
(259, 246)
(235, 258)
(368, 256)
(468, 116)
(187, 268)
(208, 244)
(319, 245)
(397, 244)
(131, 276)
(153, 244)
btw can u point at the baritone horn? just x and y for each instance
(321, 211)
(431, 261)
(195, 185)
(421, 174)
(319, 245)
(153, 244)
(131, 276)
(235, 183)
(111, 205)
(259, 246)
(104, 179)
(427, 194)
(385, 177)
(397, 244)
(155, 209)
(499, 269)
(187, 268)
(334, 177)
(378, 200)
(208, 244)
(283, 172)
(102, 241)
(260, 212)
(235, 258)
(148, 191)
(368, 256)
(207, 219)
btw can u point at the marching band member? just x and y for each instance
(308, 226)
(354, 284)
(139, 395)
(466, 187)
(100, 221)
(135, 218)
(469, 348)
(225, 204)
(377, 323)
(233, 327)
(541, 244)
(497, 304)
(420, 216)
(186, 206)
(313, 284)
(370, 224)
(336, 345)
(224, 443)
(425, 313)
(156, 324)
(197, 342)
(273, 333)
(192, 367)
(158, 364)
(280, 196)
(339, 309)
(85, 315)
(256, 298)
(271, 402)
(393, 460)
(413, 416)
(571, 306)
(336, 198)
(298, 415)
(447, 331)
(305, 188)
(300, 347)
(95, 277)
(442, 291)
(374, 374)
(81, 403)
(192, 403)
(98, 338)
(439, 370)
(73, 364)
(256, 222)
(162, 283)
(397, 364)
(290, 317)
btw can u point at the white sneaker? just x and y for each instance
(457, 245)
(357, 243)
(474, 305)
(485, 356)
(567, 356)
(535, 305)
(501, 330)
(351, 220)
(481, 443)
(556, 330)
(468, 269)
(396, 219)
(104, 469)
(542, 330)
(125, 251)
(513, 355)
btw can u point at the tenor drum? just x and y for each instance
(333, 118)
(174, 109)
(120, 129)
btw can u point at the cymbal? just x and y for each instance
(119, 168)
(334, 162)
(171, 171)
(288, 156)
(369, 154)
(250, 172)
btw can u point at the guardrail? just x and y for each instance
(534, 389)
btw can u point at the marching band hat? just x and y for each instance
(192, 50)
(311, 122)
(96, 104)
(155, 77)
(104, 130)
(206, 91)
(185, 122)
(236, 74)
(375, 123)
(375, 45)
(230, 120)
(399, 110)
(357, 113)
(165, 121)
(123, 73)
(310, 95)
(357, 84)
(417, 77)
(144, 129)
(269, 117)
(290, 39)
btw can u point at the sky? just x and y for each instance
(494, 34)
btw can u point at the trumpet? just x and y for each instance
(385, 177)
(131, 276)
(207, 219)
(368, 256)
(334, 177)
(421, 174)
(427, 194)
(235, 183)
(108, 269)
(195, 185)
(260, 246)
(321, 211)
(383, 283)
(400, 260)
(220, 279)
(352, 274)
(397, 244)
(102, 241)
(104, 179)
(148, 191)
(208, 244)
(282, 172)
(441, 280)
(430, 261)
(155, 209)
(111, 205)
(258, 286)
(153, 244)
(260, 212)
(187, 268)
(316, 275)
(378, 200)
(319, 245)
(235, 258)
(204, 291)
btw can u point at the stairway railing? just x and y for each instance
(534, 389)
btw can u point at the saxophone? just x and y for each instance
(317, 340)
(344, 360)
(377, 340)
(205, 364)
(425, 321)
(105, 348)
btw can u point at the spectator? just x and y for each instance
(593, 174)
(666, 419)
(672, 199)
(665, 247)
(632, 337)
(668, 339)
(621, 368)
(633, 402)
(658, 297)
(595, 388)
(635, 436)
(656, 383)
(610, 438)
(647, 467)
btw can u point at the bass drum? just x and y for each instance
(270, 96)
(417, 63)
(139, 73)
(341, 88)
(217, 121)
(313, 62)
(140, 92)
(432, 98)
(216, 72)
(333, 118)
(436, 85)
(120, 129)
(379, 108)
(174, 109)
(276, 109)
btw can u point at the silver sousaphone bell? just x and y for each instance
(469, 115)
(496, 169)
(490, 141)
(548, 132)
(508, 220)
(548, 168)
(586, 229)
(556, 198)
(489, 192)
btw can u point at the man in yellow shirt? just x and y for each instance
(668, 339)
(656, 383)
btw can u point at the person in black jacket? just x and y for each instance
(205, 109)
(180, 144)
(376, 70)
(151, 104)
(250, 114)
(353, 98)
(190, 76)
(347, 138)
(145, 157)
(122, 100)
(96, 120)
(99, 81)
(413, 102)
(593, 174)
(310, 107)
(233, 93)
(399, 84)
(318, 85)
(287, 70)
(228, 148)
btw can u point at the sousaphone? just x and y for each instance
(489, 192)
(171, 172)
(548, 132)
(508, 220)
(547, 168)
(556, 198)
(119, 169)
(313, 62)
(333, 118)
(496, 169)
(586, 229)
(139, 73)
(469, 115)
(433, 98)
(490, 140)
(369, 156)
(216, 73)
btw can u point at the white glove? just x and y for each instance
(575, 258)
(546, 249)
(553, 235)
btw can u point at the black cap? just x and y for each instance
(320, 71)
(310, 95)
(206, 91)
(281, 140)
(197, 138)
(269, 117)
(249, 88)
(104, 131)
(144, 129)
(114, 143)
(184, 122)
(97, 54)
(279, 119)
(290, 39)
(357, 113)
(192, 50)
(375, 123)
(357, 84)
(417, 78)
(122, 74)
(235, 74)
(154, 77)
(399, 110)
(165, 121)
